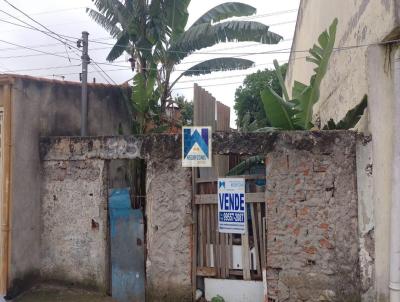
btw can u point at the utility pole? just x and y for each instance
(84, 43)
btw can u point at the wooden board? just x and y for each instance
(255, 238)
(246, 255)
(213, 198)
(206, 272)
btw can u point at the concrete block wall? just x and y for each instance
(74, 223)
(312, 228)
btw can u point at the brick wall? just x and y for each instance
(312, 236)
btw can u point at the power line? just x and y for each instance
(42, 54)
(103, 74)
(59, 10)
(212, 85)
(44, 68)
(32, 19)
(40, 51)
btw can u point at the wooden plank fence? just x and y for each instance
(215, 254)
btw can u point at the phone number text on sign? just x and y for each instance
(231, 217)
(231, 205)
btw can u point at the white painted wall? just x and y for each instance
(234, 290)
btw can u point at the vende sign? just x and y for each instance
(231, 205)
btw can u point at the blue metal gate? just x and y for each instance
(127, 248)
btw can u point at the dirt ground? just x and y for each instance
(61, 294)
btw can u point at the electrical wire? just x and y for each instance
(212, 85)
(44, 68)
(103, 74)
(37, 22)
(36, 50)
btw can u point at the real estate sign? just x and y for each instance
(196, 147)
(231, 205)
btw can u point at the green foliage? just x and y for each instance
(218, 298)
(186, 108)
(297, 113)
(245, 165)
(279, 113)
(153, 34)
(225, 11)
(351, 119)
(248, 104)
(221, 64)
(144, 98)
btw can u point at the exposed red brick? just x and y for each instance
(310, 250)
(304, 211)
(324, 226)
(325, 244)
(296, 231)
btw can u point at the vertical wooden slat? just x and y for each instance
(208, 235)
(217, 249)
(231, 252)
(201, 235)
(264, 269)
(212, 235)
(222, 255)
(5, 219)
(262, 238)
(227, 253)
(256, 246)
(204, 231)
(194, 233)
(246, 253)
(214, 208)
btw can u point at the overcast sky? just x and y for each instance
(68, 17)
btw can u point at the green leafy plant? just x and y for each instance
(296, 114)
(218, 298)
(155, 33)
(248, 104)
(351, 119)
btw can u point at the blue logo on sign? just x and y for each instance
(191, 139)
(222, 184)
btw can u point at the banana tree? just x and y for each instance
(284, 113)
(296, 114)
(153, 33)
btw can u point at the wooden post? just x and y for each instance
(5, 219)
(194, 235)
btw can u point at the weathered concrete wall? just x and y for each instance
(43, 107)
(353, 73)
(74, 222)
(324, 198)
(366, 219)
(312, 230)
(169, 231)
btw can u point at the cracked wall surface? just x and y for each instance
(312, 225)
(353, 73)
(169, 231)
(74, 223)
(311, 196)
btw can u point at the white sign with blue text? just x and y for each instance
(196, 147)
(231, 205)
